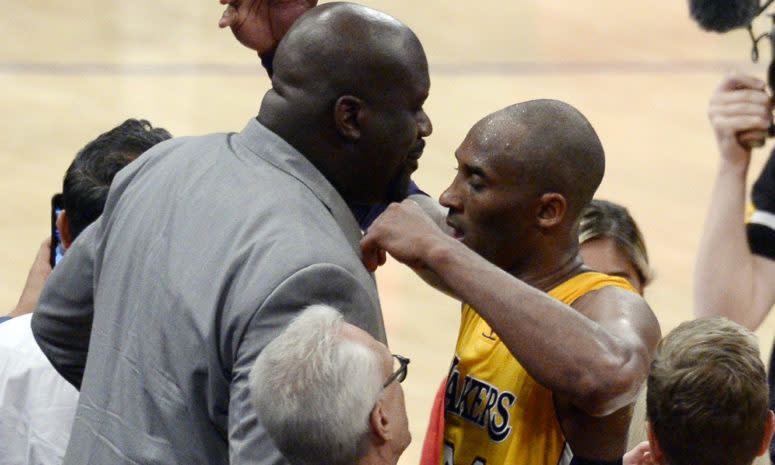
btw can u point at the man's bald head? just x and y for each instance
(553, 144)
(348, 92)
(343, 47)
(524, 174)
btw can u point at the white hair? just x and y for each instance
(314, 390)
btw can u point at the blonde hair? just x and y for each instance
(707, 394)
(602, 219)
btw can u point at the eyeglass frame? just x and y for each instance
(401, 372)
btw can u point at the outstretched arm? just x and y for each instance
(729, 280)
(606, 344)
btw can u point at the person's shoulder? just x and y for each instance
(612, 295)
(190, 144)
(18, 347)
(302, 236)
(314, 238)
(586, 284)
(16, 332)
(175, 152)
(620, 293)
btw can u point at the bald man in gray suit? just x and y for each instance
(208, 247)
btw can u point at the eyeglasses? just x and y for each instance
(400, 374)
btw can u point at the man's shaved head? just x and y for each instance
(524, 175)
(555, 146)
(348, 90)
(343, 48)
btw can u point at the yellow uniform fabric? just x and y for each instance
(495, 413)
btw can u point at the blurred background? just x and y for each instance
(642, 72)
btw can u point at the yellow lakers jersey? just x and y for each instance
(495, 413)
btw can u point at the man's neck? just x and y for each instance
(377, 455)
(546, 277)
(266, 61)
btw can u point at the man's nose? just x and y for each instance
(425, 127)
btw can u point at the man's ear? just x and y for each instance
(63, 226)
(768, 430)
(656, 450)
(552, 208)
(379, 422)
(348, 111)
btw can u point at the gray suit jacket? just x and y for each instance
(207, 247)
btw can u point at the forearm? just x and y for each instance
(723, 275)
(562, 349)
(36, 278)
(27, 300)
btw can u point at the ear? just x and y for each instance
(656, 450)
(380, 423)
(552, 208)
(63, 226)
(348, 111)
(768, 430)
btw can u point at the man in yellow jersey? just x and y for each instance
(550, 355)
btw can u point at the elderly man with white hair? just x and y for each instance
(327, 392)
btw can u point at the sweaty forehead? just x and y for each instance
(495, 145)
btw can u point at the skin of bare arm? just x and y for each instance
(729, 280)
(438, 214)
(608, 338)
(36, 278)
(514, 207)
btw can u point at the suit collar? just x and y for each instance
(274, 150)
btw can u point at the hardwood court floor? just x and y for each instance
(641, 72)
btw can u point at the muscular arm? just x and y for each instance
(729, 280)
(605, 347)
(438, 214)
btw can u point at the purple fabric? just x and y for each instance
(366, 214)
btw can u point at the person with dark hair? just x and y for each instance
(550, 355)
(36, 404)
(706, 400)
(88, 178)
(84, 191)
(210, 245)
(611, 242)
